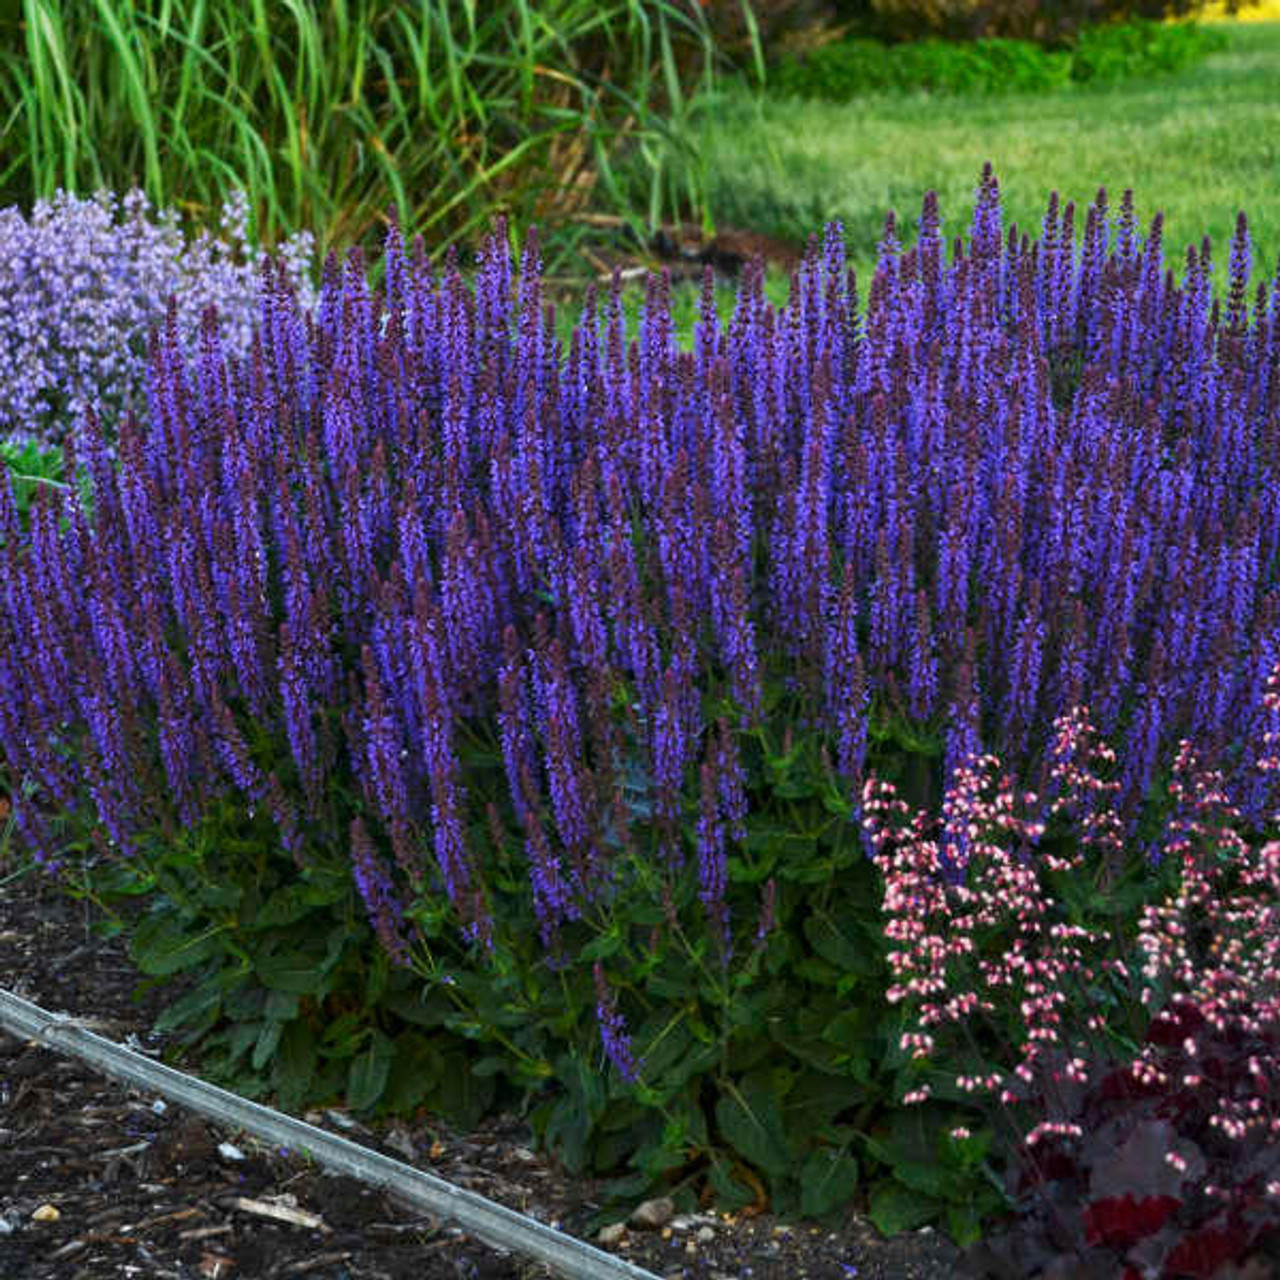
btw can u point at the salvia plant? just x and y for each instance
(82, 281)
(470, 715)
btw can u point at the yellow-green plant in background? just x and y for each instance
(1250, 11)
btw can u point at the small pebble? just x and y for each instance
(46, 1213)
(653, 1213)
(705, 1234)
(612, 1233)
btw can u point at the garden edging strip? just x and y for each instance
(488, 1221)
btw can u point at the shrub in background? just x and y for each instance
(82, 283)
(412, 620)
(1107, 54)
(846, 69)
(1053, 24)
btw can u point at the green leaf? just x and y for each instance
(219, 899)
(161, 946)
(418, 1005)
(268, 1038)
(964, 1223)
(701, 1031)
(285, 906)
(834, 802)
(659, 1156)
(367, 1075)
(242, 1035)
(199, 1007)
(294, 972)
(816, 1098)
(815, 969)
(838, 941)
(806, 870)
(895, 1209)
(795, 787)
(461, 1098)
(731, 1194)
(281, 1005)
(750, 1120)
(416, 1070)
(851, 1029)
(630, 1184)
(741, 872)
(912, 1151)
(607, 944)
(294, 1064)
(828, 1178)
(343, 1036)
(824, 1057)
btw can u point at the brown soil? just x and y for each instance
(98, 1180)
(680, 249)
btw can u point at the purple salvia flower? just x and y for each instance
(299, 727)
(613, 1033)
(552, 898)
(922, 683)
(381, 904)
(673, 737)
(711, 857)
(740, 652)
(233, 753)
(563, 758)
(1024, 679)
(384, 770)
(513, 723)
(731, 780)
(767, 912)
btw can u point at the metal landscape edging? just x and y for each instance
(488, 1221)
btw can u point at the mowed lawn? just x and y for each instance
(1200, 146)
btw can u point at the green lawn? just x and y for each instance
(1199, 146)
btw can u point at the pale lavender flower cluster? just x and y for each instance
(82, 282)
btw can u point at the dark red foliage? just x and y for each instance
(1170, 1028)
(1112, 1203)
(1201, 1253)
(1124, 1220)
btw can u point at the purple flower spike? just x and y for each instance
(613, 1032)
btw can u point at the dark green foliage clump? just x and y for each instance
(1054, 24)
(856, 66)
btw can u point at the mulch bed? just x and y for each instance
(99, 1180)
